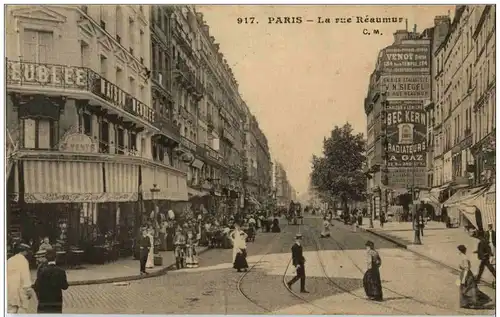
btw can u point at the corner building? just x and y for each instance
(399, 88)
(80, 124)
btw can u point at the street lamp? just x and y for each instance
(378, 191)
(156, 250)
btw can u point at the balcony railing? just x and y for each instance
(226, 134)
(167, 126)
(75, 78)
(211, 152)
(188, 144)
(188, 77)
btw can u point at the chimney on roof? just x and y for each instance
(415, 28)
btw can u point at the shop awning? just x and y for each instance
(63, 181)
(195, 193)
(462, 195)
(122, 182)
(170, 183)
(485, 204)
(429, 197)
(254, 201)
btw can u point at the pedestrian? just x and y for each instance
(483, 254)
(353, 221)
(371, 280)
(416, 226)
(239, 237)
(325, 233)
(180, 245)
(150, 260)
(298, 262)
(470, 295)
(144, 247)
(49, 285)
(382, 219)
(492, 240)
(19, 285)
(276, 226)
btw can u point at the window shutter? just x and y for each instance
(29, 133)
(45, 45)
(44, 132)
(29, 46)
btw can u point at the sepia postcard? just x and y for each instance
(250, 159)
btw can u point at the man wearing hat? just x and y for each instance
(19, 283)
(50, 283)
(298, 261)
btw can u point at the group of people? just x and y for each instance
(50, 281)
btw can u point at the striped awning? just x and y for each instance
(172, 184)
(122, 182)
(62, 181)
(462, 195)
(485, 203)
(196, 193)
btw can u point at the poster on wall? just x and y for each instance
(406, 134)
(406, 59)
(407, 86)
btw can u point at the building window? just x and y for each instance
(86, 124)
(37, 46)
(104, 66)
(85, 53)
(38, 133)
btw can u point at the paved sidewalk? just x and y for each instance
(438, 243)
(126, 269)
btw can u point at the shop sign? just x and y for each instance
(25, 73)
(402, 177)
(406, 59)
(406, 129)
(78, 143)
(407, 86)
(123, 100)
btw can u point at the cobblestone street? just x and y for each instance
(334, 280)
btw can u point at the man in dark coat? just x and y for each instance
(299, 262)
(483, 254)
(144, 246)
(492, 240)
(50, 283)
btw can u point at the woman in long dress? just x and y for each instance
(239, 238)
(150, 261)
(371, 279)
(470, 295)
(326, 228)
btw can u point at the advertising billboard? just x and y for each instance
(406, 59)
(402, 177)
(407, 86)
(406, 128)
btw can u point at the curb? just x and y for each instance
(161, 272)
(405, 246)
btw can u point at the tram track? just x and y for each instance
(239, 284)
(342, 247)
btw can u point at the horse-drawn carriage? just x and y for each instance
(294, 215)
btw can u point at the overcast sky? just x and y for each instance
(301, 80)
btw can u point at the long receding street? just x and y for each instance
(334, 270)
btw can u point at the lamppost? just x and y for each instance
(156, 250)
(416, 214)
(377, 192)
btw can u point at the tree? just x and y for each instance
(338, 172)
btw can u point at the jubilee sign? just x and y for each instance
(406, 134)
